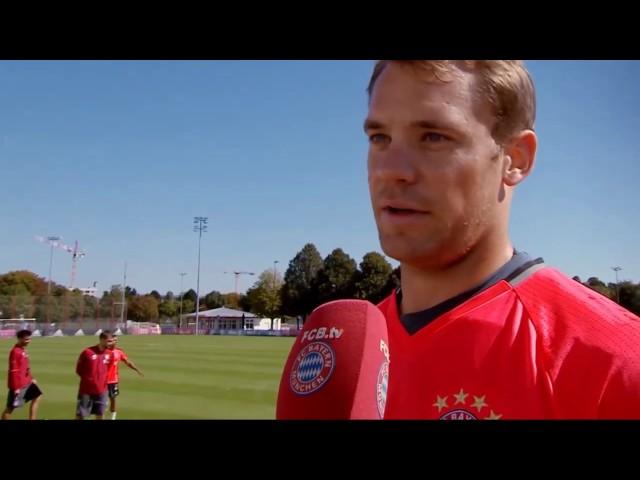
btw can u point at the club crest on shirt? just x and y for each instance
(464, 406)
(383, 379)
(381, 387)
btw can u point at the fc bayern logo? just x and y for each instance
(459, 414)
(382, 384)
(312, 368)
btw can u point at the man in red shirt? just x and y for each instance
(112, 375)
(22, 386)
(478, 330)
(92, 367)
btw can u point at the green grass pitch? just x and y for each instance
(186, 377)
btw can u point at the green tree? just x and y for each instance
(22, 281)
(597, 285)
(630, 296)
(337, 278)
(168, 309)
(298, 294)
(190, 295)
(91, 307)
(25, 293)
(373, 278)
(19, 304)
(142, 308)
(73, 305)
(213, 299)
(188, 306)
(394, 280)
(110, 305)
(595, 282)
(231, 300)
(263, 298)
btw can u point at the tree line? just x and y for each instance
(308, 281)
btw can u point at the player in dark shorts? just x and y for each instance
(118, 355)
(22, 386)
(92, 367)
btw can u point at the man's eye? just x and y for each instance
(379, 139)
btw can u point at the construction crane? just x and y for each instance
(76, 254)
(237, 275)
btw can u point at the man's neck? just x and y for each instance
(426, 288)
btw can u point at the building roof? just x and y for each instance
(222, 312)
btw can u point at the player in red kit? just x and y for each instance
(92, 368)
(478, 330)
(22, 386)
(112, 375)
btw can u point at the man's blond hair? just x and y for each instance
(505, 84)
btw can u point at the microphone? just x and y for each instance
(338, 367)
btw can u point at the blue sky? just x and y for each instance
(121, 155)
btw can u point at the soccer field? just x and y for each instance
(186, 377)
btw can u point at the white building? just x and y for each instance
(265, 324)
(224, 318)
(91, 291)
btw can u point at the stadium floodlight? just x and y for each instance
(199, 226)
(617, 269)
(182, 274)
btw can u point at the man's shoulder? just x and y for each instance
(89, 351)
(551, 294)
(570, 317)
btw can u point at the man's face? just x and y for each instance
(435, 171)
(112, 343)
(25, 341)
(105, 342)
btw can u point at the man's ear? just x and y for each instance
(520, 157)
